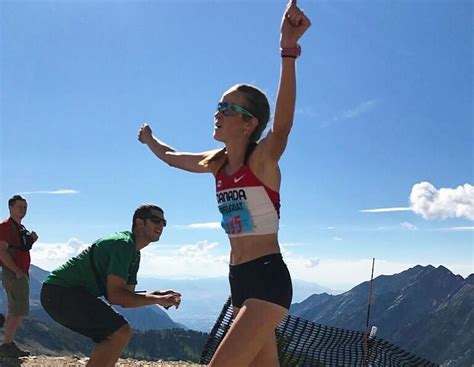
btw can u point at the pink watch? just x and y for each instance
(291, 52)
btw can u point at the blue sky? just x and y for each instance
(384, 121)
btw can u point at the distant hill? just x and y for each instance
(41, 335)
(201, 303)
(54, 340)
(426, 310)
(175, 344)
(203, 298)
(144, 318)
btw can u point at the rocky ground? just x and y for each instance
(45, 361)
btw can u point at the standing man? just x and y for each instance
(15, 245)
(107, 268)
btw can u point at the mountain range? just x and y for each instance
(203, 298)
(200, 306)
(425, 310)
(157, 336)
(144, 318)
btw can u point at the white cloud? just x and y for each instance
(432, 203)
(386, 210)
(205, 259)
(202, 249)
(293, 244)
(200, 260)
(358, 110)
(311, 263)
(458, 229)
(208, 259)
(408, 226)
(343, 274)
(51, 255)
(306, 111)
(362, 108)
(210, 225)
(52, 192)
(337, 238)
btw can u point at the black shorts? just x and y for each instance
(78, 310)
(266, 278)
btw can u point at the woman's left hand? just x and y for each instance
(293, 25)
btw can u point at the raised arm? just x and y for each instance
(294, 24)
(186, 161)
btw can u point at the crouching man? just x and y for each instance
(70, 294)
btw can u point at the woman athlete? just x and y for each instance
(248, 180)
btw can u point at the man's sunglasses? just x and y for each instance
(229, 109)
(157, 220)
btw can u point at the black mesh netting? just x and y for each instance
(302, 343)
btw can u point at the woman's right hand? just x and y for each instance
(145, 134)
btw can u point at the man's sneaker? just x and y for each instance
(11, 350)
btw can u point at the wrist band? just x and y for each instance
(294, 52)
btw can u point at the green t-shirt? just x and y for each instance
(115, 254)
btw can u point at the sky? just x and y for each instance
(379, 163)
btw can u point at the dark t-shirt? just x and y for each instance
(115, 255)
(9, 233)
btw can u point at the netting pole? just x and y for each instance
(369, 302)
(370, 296)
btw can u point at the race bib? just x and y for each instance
(236, 217)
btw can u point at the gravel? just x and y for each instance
(45, 361)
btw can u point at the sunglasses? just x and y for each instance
(157, 220)
(229, 109)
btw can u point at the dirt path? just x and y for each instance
(45, 361)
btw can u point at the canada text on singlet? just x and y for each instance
(248, 207)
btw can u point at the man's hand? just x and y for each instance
(168, 298)
(8, 261)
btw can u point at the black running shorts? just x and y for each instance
(78, 310)
(266, 278)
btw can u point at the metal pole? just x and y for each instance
(370, 296)
(366, 333)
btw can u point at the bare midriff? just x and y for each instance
(247, 248)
